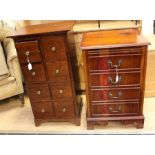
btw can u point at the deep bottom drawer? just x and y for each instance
(43, 110)
(115, 109)
(64, 109)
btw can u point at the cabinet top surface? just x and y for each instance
(63, 26)
(112, 39)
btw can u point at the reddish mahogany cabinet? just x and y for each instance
(115, 66)
(45, 62)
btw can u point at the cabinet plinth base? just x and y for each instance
(138, 120)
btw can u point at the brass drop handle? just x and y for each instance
(43, 110)
(64, 109)
(115, 82)
(38, 92)
(115, 97)
(110, 63)
(53, 48)
(33, 73)
(111, 110)
(27, 53)
(61, 91)
(57, 71)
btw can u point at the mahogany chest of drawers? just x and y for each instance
(115, 66)
(45, 62)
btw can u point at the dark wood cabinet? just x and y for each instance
(115, 66)
(49, 80)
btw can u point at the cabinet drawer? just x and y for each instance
(28, 50)
(37, 74)
(108, 79)
(109, 62)
(110, 94)
(58, 71)
(39, 92)
(43, 109)
(54, 48)
(115, 109)
(64, 109)
(62, 91)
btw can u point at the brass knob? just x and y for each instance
(63, 109)
(27, 53)
(42, 110)
(57, 71)
(38, 92)
(61, 91)
(33, 73)
(53, 49)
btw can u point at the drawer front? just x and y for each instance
(109, 62)
(43, 109)
(54, 48)
(108, 79)
(58, 71)
(37, 74)
(28, 51)
(64, 109)
(115, 109)
(39, 92)
(98, 95)
(62, 91)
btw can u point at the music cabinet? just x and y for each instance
(115, 66)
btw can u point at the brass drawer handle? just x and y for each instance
(61, 91)
(43, 110)
(118, 110)
(115, 97)
(33, 73)
(53, 49)
(110, 63)
(57, 71)
(38, 92)
(63, 109)
(115, 82)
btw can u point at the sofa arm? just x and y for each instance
(13, 62)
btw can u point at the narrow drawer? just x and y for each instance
(100, 62)
(115, 109)
(64, 109)
(28, 50)
(39, 92)
(108, 79)
(37, 74)
(54, 48)
(58, 71)
(98, 95)
(61, 91)
(43, 109)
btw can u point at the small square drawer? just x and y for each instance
(105, 109)
(64, 109)
(28, 51)
(108, 79)
(43, 109)
(101, 62)
(58, 71)
(54, 48)
(114, 94)
(39, 92)
(37, 74)
(61, 91)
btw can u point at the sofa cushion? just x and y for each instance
(7, 80)
(3, 65)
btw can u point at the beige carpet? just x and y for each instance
(17, 119)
